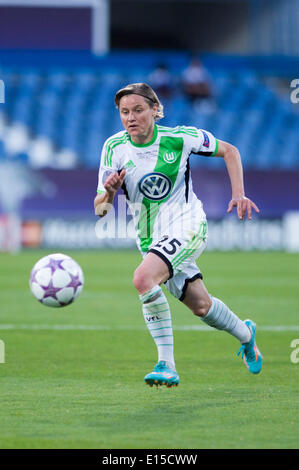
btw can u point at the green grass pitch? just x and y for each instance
(73, 377)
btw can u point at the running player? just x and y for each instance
(151, 163)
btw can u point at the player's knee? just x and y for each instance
(202, 307)
(142, 281)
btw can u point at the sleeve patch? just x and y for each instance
(206, 142)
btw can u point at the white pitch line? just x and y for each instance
(8, 326)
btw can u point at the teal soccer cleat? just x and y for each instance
(162, 375)
(250, 352)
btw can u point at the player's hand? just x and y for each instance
(243, 205)
(114, 182)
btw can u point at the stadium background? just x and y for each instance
(73, 377)
(58, 91)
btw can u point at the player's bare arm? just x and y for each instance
(233, 163)
(103, 202)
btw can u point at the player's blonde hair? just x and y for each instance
(144, 90)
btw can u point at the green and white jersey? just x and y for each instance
(158, 184)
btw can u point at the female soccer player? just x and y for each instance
(150, 162)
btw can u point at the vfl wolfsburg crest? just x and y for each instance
(169, 157)
(155, 186)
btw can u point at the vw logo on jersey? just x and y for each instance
(155, 186)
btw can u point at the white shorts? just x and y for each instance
(177, 285)
(180, 254)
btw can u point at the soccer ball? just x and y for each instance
(56, 280)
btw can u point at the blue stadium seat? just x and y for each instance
(2, 151)
(75, 110)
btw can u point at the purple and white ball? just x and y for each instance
(56, 280)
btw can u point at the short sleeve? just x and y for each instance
(206, 144)
(107, 166)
